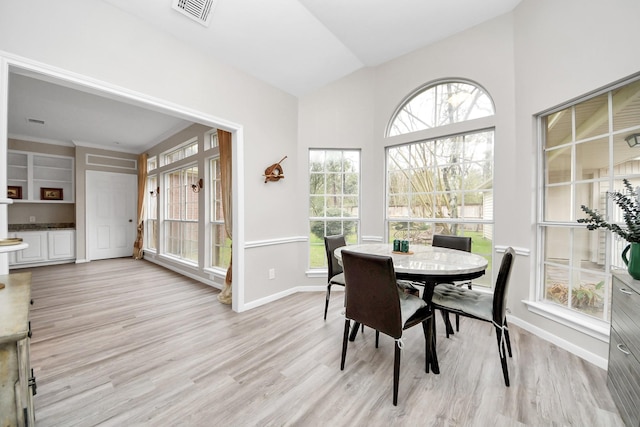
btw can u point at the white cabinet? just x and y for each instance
(37, 250)
(41, 178)
(62, 244)
(45, 247)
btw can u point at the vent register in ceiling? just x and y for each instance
(198, 10)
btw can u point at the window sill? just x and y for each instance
(317, 273)
(180, 261)
(587, 325)
(216, 272)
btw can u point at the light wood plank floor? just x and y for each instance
(123, 342)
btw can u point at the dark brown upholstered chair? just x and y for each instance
(452, 242)
(335, 276)
(482, 306)
(373, 298)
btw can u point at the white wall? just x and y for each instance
(563, 50)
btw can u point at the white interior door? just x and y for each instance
(111, 214)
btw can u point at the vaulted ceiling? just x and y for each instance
(295, 45)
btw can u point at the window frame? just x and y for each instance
(215, 223)
(314, 248)
(183, 223)
(458, 128)
(588, 324)
(151, 216)
(182, 151)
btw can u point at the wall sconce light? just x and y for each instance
(633, 139)
(196, 187)
(155, 192)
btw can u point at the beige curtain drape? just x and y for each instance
(138, 245)
(224, 143)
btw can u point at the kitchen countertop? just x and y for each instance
(42, 227)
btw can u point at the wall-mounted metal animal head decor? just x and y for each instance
(274, 172)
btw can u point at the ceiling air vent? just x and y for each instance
(198, 10)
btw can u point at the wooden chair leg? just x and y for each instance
(426, 329)
(377, 338)
(345, 339)
(507, 338)
(433, 355)
(503, 356)
(396, 373)
(447, 323)
(326, 303)
(457, 323)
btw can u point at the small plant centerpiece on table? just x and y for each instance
(628, 202)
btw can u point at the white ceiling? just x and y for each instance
(295, 45)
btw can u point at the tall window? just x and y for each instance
(442, 185)
(151, 223)
(334, 199)
(220, 243)
(181, 215)
(583, 156)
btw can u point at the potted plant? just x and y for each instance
(628, 202)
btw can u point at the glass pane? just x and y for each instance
(398, 182)
(398, 205)
(350, 207)
(588, 296)
(625, 158)
(317, 231)
(556, 245)
(334, 227)
(316, 206)
(583, 256)
(333, 161)
(334, 183)
(190, 241)
(422, 205)
(316, 161)
(592, 117)
(586, 196)
(558, 128)
(352, 161)
(174, 190)
(556, 285)
(625, 106)
(316, 183)
(398, 158)
(557, 203)
(592, 158)
(558, 165)
(351, 232)
(151, 234)
(351, 184)
(221, 246)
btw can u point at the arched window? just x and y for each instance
(442, 184)
(439, 105)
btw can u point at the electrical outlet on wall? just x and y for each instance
(272, 273)
(32, 219)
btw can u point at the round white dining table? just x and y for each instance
(427, 265)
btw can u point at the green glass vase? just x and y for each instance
(633, 262)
